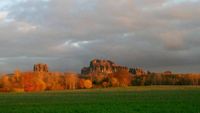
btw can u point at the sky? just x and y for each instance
(156, 35)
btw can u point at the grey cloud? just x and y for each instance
(67, 34)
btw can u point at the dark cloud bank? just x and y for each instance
(66, 34)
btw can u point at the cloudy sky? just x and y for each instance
(156, 35)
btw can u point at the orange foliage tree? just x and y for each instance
(54, 81)
(5, 83)
(114, 82)
(87, 84)
(71, 81)
(122, 78)
(81, 83)
(17, 82)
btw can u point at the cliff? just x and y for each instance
(103, 66)
(40, 68)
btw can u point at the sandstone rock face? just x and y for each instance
(137, 71)
(40, 68)
(103, 66)
(168, 73)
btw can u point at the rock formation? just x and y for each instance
(40, 68)
(137, 71)
(168, 73)
(103, 66)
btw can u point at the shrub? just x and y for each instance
(88, 84)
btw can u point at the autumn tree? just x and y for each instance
(71, 80)
(123, 77)
(54, 81)
(17, 82)
(39, 84)
(81, 83)
(114, 82)
(29, 81)
(6, 83)
(87, 84)
(98, 79)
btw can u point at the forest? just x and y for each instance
(46, 81)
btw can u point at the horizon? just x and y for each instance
(157, 35)
(86, 66)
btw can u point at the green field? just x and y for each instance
(150, 99)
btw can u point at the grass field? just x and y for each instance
(150, 99)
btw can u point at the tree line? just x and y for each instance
(42, 81)
(45, 81)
